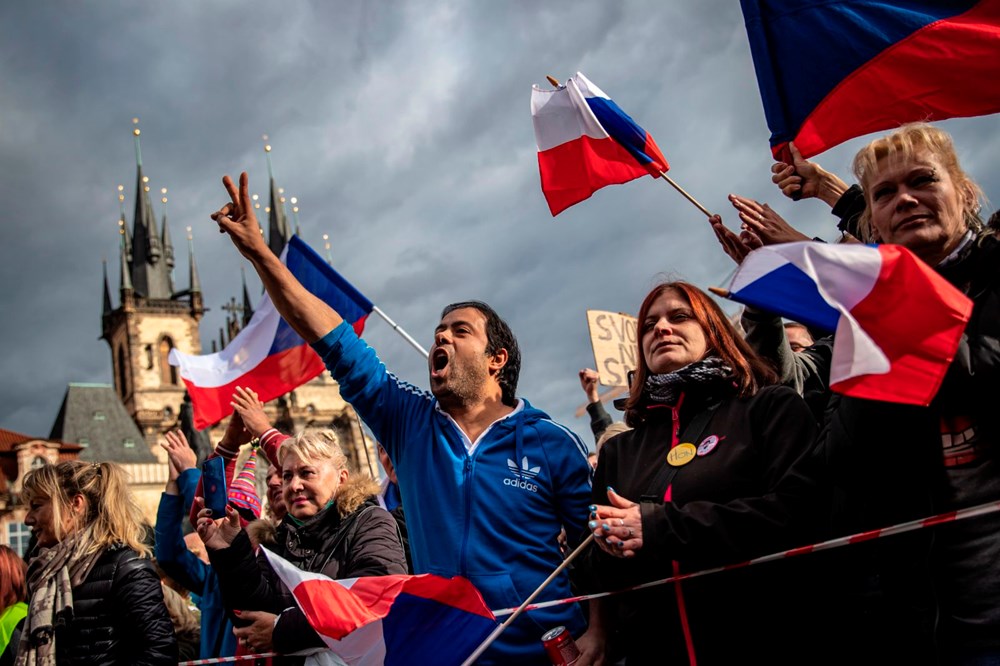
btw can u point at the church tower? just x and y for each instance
(152, 318)
(278, 230)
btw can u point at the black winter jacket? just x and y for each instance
(365, 542)
(119, 618)
(746, 495)
(933, 589)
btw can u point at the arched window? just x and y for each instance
(168, 373)
(122, 372)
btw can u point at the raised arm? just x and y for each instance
(309, 316)
(736, 246)
(805, 179)
(599, 417)
(765, 223)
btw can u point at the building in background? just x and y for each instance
(125, 422)
(19, 454)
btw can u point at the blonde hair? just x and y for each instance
(111, 510)
(315, 445)
(186, 625)
(904, 143)
(615, 428)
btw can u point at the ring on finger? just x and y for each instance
(630, 533)
(621, 522)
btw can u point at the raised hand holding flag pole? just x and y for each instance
(270, 353)
(586, 142)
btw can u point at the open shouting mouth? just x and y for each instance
(439, 362)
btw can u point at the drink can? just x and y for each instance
(560, 647)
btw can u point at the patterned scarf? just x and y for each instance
(665, 389)
(52, 575)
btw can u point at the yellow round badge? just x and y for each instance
(681, 454)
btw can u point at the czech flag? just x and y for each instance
(897, 322)
(832, 71)
(267, 355)
(390, 619)
(586, 142)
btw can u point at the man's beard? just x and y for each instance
(466, 384)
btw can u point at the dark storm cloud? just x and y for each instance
(404, 131)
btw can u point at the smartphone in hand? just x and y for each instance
(213, 482)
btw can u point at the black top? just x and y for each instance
(119, 618)
(747, 496)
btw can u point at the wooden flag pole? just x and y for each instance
(553, 80)
(718, 291)
(687, 196)
(520, 609)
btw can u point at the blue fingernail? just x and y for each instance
(611, 490)
(592, 508)
(605, 527)
(592, 524)
(620, 544)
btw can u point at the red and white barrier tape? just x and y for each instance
(224, 660)
(940, 519)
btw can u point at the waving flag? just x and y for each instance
(267, 355)
(586, 142)
(390, 619)
(832, 71)
(897, 322)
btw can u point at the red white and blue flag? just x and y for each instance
(586, 142)
(832, 71)
(267, 355)
(390, 620)
(897, 323)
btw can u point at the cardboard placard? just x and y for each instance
(614, 339)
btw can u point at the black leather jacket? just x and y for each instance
(119, 617)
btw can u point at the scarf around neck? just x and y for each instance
(52, 575)
(666, 388)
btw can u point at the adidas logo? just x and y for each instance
(523, 475)
(524, 471)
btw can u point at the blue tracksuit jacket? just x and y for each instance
(493, 516)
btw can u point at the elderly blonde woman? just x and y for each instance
(94, 596)
(334, 526)
(940, 588)
(933, 595)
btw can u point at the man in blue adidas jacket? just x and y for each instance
(487, 480)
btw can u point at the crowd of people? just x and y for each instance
(732, 447)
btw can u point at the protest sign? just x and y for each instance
(613, 336)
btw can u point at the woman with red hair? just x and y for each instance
(13, 608)
(714, 472)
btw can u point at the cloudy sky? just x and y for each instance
(404, 131)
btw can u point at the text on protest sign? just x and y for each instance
(613, 336)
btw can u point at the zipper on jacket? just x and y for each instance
(466, 490)
(675, 434)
